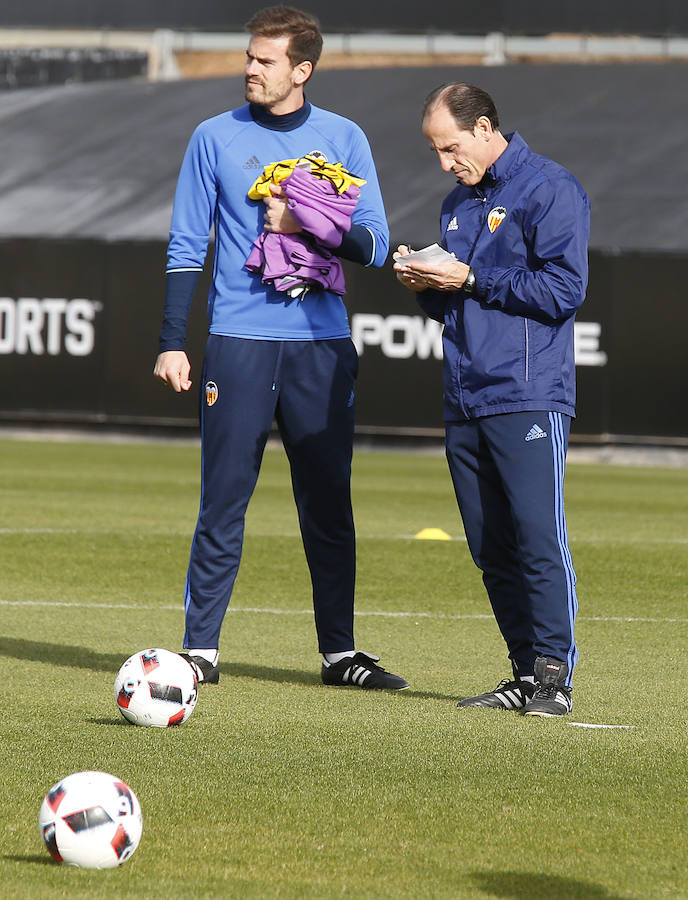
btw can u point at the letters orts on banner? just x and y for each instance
(47, 326)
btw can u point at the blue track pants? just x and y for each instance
(508, 475)
(308, 388)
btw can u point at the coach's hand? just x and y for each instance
(173, 368)
(418, 276)
(408, 278)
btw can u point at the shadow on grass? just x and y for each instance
(111, 720)
(85, 658)
(60, 654)
(536, 886)
(429, 695)
(268, 673)
(38, 859)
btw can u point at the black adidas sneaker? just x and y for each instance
(507, 695)
(360, 670)
(551, 697)
(204, 670)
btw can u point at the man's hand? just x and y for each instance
(278, 218)
(418, 276)
(404, 273)
(173, 368)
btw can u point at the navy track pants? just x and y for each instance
(508, 475)
(308, 388)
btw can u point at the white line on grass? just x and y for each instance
(309, 612)
(591, 725)
(362, 535)
(187, 534)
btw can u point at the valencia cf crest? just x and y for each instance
(211, 393)
(495, 217)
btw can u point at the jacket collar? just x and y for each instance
(511, 159)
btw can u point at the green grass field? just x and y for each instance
(280, 787)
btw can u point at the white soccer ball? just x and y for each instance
(156, 687)
(92, 820)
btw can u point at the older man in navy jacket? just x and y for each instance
(517, 225)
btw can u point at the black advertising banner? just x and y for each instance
(79, 322)
(53, 328)
(400, 354)
(592, 339)
(135, 287)
(648, 326)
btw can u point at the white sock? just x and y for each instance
(331, 658)
(211, 656)
(529, 678)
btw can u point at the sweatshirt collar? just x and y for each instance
(286, 122)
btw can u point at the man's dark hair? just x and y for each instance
(466, 102)
(303, 30)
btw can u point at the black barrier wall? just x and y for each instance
(79, 323)
(522, 17)
(20, 68)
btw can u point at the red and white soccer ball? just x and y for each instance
(92, 820)
(156, 687)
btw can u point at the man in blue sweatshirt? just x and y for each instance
(517, 225)
(270, 354)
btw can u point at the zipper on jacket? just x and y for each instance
(527, 336)
(482, 197)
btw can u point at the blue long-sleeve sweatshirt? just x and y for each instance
(224, 157)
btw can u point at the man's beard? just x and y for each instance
(267, 96)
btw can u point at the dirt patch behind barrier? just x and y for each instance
(221, 63)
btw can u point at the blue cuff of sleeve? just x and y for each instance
(358, 245)
(179, 291)
(482, 282)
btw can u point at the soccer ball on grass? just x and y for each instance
(91, 820)
(156, 687)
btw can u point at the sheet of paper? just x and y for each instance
(433, 255)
